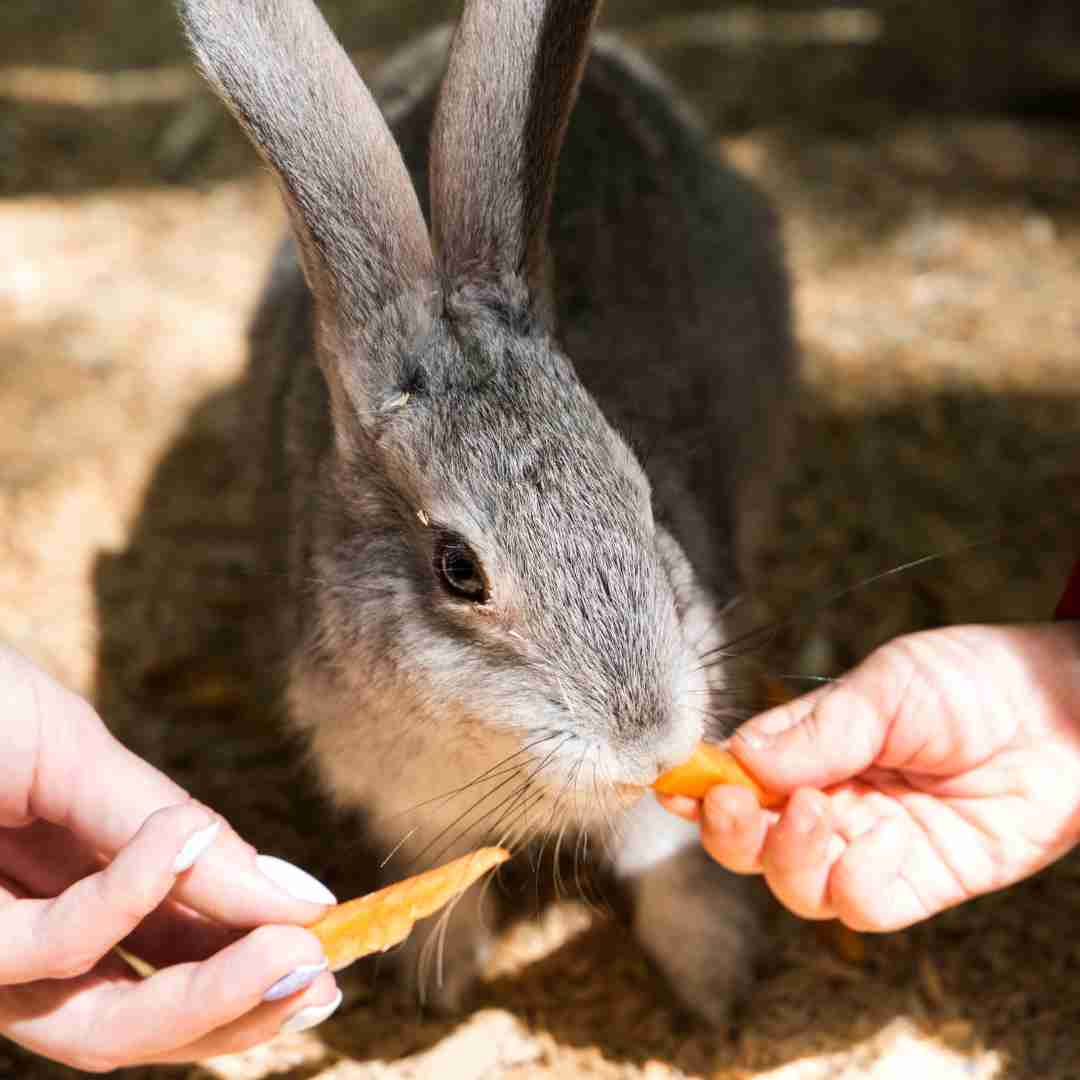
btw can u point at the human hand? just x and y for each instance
(98, 849)
(945, 766)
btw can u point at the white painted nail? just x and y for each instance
(195, 845)
(298, 883)
(299, 978)
(311, 1016)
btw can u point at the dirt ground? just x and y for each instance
(936, 260)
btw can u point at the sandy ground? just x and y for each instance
(937, 270)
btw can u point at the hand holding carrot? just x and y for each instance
(945, 766)
(98, 849)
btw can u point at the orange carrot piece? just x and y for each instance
(374, 922)
(707, 767)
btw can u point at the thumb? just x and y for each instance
(936, 703)
(828, 735)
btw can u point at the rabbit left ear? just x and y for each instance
(510, 85)
(279, 68)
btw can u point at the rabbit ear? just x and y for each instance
(511, 82)
(279, 68)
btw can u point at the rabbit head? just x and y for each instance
(487, 580)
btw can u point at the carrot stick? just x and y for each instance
(374, 922)
(707, 767)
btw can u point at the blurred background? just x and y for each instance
(93, 92)
(925, 160)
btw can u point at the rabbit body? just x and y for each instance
(497, 619)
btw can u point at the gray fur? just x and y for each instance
(296, 94)
(447, 401)
(494, 155)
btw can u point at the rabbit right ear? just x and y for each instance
(279, 68)
(511, 82)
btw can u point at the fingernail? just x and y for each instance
(311, 1016)
(802, 818)
(721, 816)
(297, 979)
(298, 883)
(763, 729)
(195, 845)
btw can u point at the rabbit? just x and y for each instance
(496, 619)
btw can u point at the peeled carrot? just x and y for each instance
(707, 767)
(374, 922)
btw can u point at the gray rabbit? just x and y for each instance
(494, 619)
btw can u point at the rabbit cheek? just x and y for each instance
(406, 722)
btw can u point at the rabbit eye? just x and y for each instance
(459, 569)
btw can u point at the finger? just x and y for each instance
(63, 765)
(67, 935)
(869, 887)
(681, 806)
(46, 860)
(105, 1020)
(181, 1005)
(947, 854)
(827, 736)
(734, 828)
(799, 853)
(305, 1010)
(935, 703)
(233, 884)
